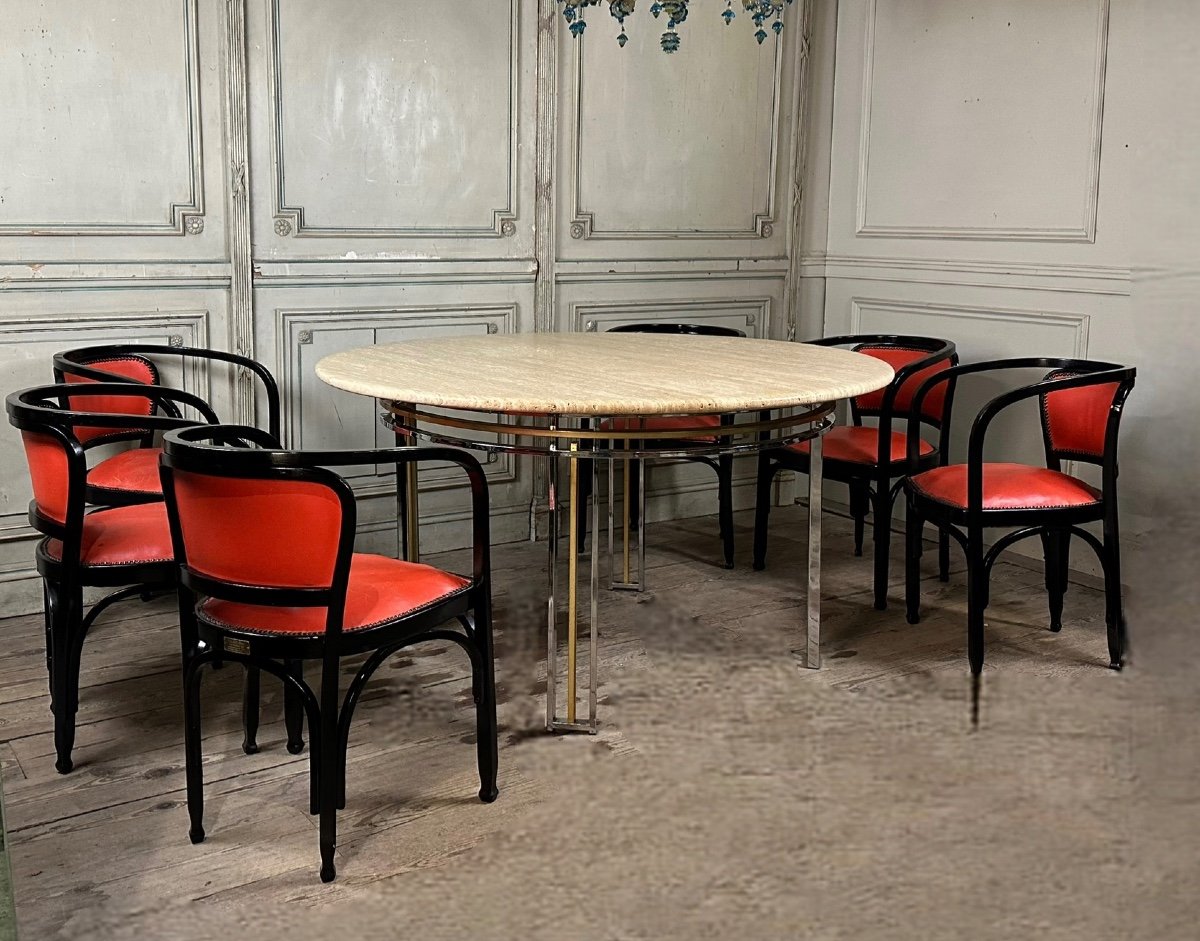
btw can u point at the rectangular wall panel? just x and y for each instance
(665, 155)
(105, 153)
(982, 120)
(381, 128)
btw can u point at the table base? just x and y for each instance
(555, 721)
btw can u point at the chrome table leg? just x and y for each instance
(812, 632)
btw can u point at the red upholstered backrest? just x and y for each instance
(133, 368)
(271, 533)
(49, 471)
(898, 357)
(1076, 419)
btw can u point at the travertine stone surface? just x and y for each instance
(603, 374)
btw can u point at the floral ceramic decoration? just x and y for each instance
(763, 13)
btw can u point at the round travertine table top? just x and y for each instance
(603, 374)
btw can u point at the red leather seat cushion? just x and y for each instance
(667, 423)
(123, 535)
(857, 444)
(134, 470)
(380, 590)
(1007, 487)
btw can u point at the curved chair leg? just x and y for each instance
(860, 505)
(977, 590)
(913, 524)
(250, 700)
(293, 708)
(1114, 608)
(327, 786)
(193, 761)
(882, 537)
(725, 505)
(762, 510)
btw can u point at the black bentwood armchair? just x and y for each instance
(1081, 402)
(131, 475)
(722, 465)
(873, 462)
(264, 541)
(124, 547)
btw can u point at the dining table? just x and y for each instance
(587, 399)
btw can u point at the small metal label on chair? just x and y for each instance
(235, 645)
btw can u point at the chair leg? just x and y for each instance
(581, 500)
(943, 556)
(485, 706)
(250, 701)
(977, 590)
(1114, 607)
(49, 600)
(327, 786)
(882, 537)
(1056, 549)
(315, 763)
(193, 761)
(725, 505)
(913, 525)
(293, 709)
(66, 645)
(401, 506)
(635, 495)
(762, 510)
(860, 505)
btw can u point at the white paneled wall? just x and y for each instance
(288, 178)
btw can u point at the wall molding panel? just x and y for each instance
(327, 273)
(672, 269)
(1081, 230)
(1008, 317)
(118, 276)
(1063, 278)
(182, 216)
(583, 223)
(291, 219)
(753, 315)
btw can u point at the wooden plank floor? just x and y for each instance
(733, 779)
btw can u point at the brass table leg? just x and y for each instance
(571, 723)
